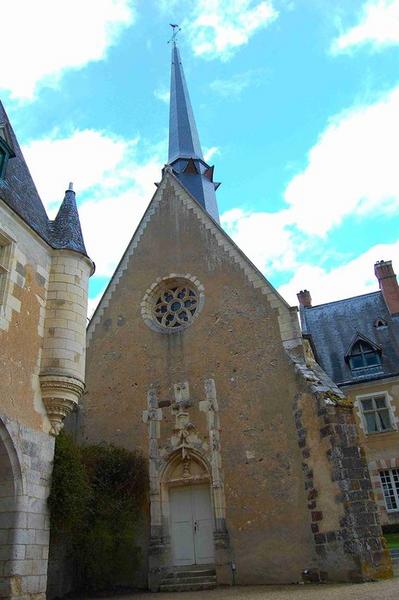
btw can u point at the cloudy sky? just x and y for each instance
(296, 102)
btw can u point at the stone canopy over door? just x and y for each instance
(191, 525)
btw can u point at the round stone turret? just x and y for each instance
(63, 357)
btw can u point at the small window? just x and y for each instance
(3, 158)
(376, 413)
(390, 486)
(379, 323)
(6, 150)
(5, 259)
(363, 355)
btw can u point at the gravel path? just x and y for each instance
(382, 590)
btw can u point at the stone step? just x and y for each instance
(191, 573)
(188, 579)
(186, 587)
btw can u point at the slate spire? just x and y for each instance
(66, 229)
(185, 153)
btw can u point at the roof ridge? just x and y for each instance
(343, 299)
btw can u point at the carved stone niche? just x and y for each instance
(60, 396)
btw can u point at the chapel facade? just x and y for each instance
(44, 272)
(255, 469)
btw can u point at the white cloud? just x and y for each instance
(209, 153)
(54, 37)
(351, 169)
(218, 28)
(86, 157)
(237, 83)
(163, 95)
(378, 26)
(92, 304)
(263, 237)
(350, 279)
(114, 180)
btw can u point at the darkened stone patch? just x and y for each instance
(40, 279)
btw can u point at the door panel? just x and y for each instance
(191, 525)
(203, 537)
(182, 526)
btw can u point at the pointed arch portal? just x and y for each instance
(187, 509)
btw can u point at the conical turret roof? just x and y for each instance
(19, 192)
(66, 229)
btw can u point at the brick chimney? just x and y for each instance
(384, 272)
(304, 298)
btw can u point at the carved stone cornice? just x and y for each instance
(60, 395)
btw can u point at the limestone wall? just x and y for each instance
(25, 466)
(22, 313)
(66, 314)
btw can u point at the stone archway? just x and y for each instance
(11, 489)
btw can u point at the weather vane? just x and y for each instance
(176, 30)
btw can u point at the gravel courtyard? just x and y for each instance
(383, 590)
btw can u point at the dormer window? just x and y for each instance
(380, 323)
(363, 355)
(6, 150)
(3, 158)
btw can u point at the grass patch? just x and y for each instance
(392, 540)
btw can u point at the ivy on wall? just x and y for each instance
(96, 502)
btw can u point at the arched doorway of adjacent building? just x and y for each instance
(10, 490)
(188, 508)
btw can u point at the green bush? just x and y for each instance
(70, 488)
(103, 531)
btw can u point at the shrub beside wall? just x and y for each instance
(95, 504)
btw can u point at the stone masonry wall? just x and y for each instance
(22, 323)
(64, 347)
(349, 545)
(24, 519)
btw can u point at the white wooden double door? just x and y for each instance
(191, 525)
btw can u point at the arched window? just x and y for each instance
(363, 355)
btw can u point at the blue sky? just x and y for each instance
(296, 102)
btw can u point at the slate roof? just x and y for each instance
(19, 192)
(185, 153)
(333, 327)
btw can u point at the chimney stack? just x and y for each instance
(304, 298)
(387, 281)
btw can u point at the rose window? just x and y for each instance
(176, 306)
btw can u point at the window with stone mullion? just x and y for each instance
(376, 414)
(390, 486)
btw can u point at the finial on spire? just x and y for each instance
(175, 27)
(70, 186)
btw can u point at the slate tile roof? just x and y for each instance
(19, 192)
(333, 326)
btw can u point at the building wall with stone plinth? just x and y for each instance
(42, 324)
(227, 401)
(381, 447)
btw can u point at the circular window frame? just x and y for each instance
(161, 285)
